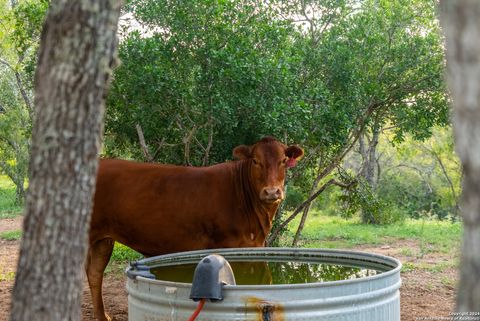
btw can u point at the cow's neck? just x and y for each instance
(258, 214)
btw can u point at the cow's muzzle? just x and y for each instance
(271, 194)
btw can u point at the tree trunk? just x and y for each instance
(272, 238)
(306, 210)
(461, 20)
(74, 64)
(369, 156)
(141, 138)
(371, 165)
(19, 190)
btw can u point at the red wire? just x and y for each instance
(197, 310)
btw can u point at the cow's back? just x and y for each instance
(157, 209)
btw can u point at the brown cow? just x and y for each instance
(157, 209)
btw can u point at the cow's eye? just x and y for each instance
(284, 161)
(257, 163)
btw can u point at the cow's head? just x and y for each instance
(269, 160)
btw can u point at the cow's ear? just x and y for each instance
(242, 152)
(294, 152)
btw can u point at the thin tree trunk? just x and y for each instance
(24, 94)
(276, 231)
(354, 136)
(363, 152)
(143, 144)
(19, 190)
(209, 146)
(461, 20)
(368, 169)
(75, 59)
(372, 157)
(306, 209)
(447, 177)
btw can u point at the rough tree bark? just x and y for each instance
(369, 156)
(141, 138)
(369, 165)
(75, 60)
(461, 21)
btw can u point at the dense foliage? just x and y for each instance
(198, 78)
(19, 36)
(213, 75)
(417, 180)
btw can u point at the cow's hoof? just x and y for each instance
(106, 317)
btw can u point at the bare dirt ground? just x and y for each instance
(427, 293)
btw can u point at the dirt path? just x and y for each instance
(11, 224)
(425, 293)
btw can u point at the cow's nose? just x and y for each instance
(272, 193)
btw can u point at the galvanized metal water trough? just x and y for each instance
(370, 298)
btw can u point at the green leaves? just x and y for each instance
(28, 17)
(206, 76)
(19, 42)
(212, 74)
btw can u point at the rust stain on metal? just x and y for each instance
(266, 310)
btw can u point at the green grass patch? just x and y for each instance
(8, 208)
(448, 282)
(429, 267)
(407, 251)
(11, 235)
(124, 254)
(440, 266)
(121, 255)
(327, 231)
(326, 244)
(408, 267)
(10, 276)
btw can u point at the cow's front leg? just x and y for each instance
(97, 259)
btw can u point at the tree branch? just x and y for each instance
(20, 86)
(143, 145)
(209, 146)
(444, 171)
(274, 233)
(6, 63)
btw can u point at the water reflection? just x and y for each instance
(265, 273)
(300, 272)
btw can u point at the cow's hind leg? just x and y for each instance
(97, 260)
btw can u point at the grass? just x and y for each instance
(431, 235)
(333, 232)
(408, 267)
(406, 251)
(10, 276)
(121, 255)
(440, 238)
(11, 235)
(448, 282)
(8, 208)
(438, 267)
